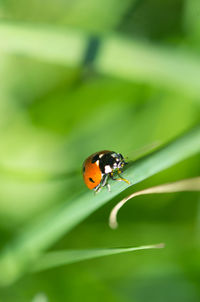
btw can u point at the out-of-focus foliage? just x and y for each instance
(56, 108)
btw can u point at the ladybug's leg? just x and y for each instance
(102, 184)
(120, 178)
(111, 176)
(108, 187)
(104, 180)
(98, 188)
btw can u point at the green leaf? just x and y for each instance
(44, 232)
(58, 258)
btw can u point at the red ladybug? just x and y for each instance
(98, 167)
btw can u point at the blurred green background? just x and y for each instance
(60, 104)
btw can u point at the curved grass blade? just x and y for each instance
(41, 234)
(54, 259)
(192, 184)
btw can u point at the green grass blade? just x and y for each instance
(118, 57)
(59, 258)
(43, 233)
(45, 43)
(143, 62)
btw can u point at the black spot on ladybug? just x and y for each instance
(90, 179)
(83, 169)
(95, 158)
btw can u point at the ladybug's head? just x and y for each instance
(119, 161)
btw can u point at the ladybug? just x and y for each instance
(98, 167)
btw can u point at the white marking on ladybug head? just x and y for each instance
(107, 169)
(101, 155)
(97, 162)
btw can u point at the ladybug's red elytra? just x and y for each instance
(98, 167)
